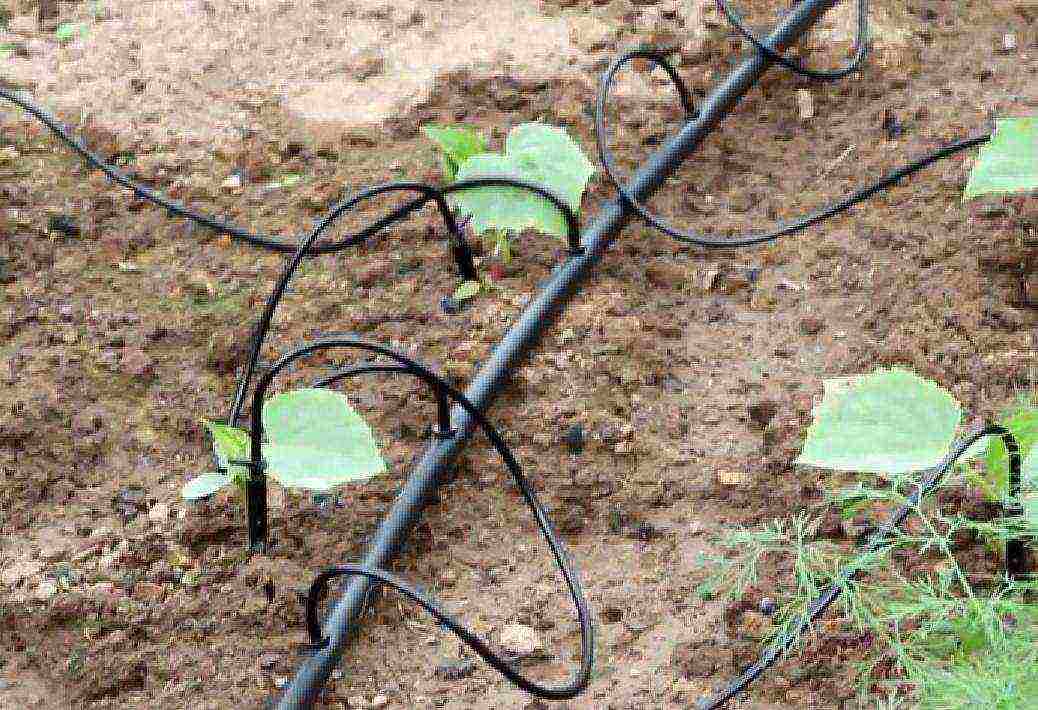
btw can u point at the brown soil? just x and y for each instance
(117, 340)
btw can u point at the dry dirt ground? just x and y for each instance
(118, 336)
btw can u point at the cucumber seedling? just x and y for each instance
(313, 440)
(931, 635)
(535, 152)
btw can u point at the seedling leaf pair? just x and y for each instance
(535, 152)
(315, 440)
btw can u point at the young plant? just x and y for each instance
(936, 636)
(68, 31)
(314, 440)
(534, 152)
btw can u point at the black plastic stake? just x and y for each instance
(313, 672)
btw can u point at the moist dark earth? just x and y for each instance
(121, 328)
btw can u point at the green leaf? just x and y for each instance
(889, 422)
(1023, 425)
(534, 152)
(467, 290)
(67, 31)
(457, 144)
(204, 485)
(1029, 486)
(229, 443)
(1009, 161)
(7, 49)
(317, 441)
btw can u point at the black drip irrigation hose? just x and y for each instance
(454, 427)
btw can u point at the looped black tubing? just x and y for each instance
(572, 222)
(428, 192)
(861, 45)
(443, 410)
(581, 679)
(263, 326)
(932, 478)
(608, 166)
(256, 492)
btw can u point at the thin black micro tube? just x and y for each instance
(931, 478)
(444, 394)
(428, 192)
(313, 671)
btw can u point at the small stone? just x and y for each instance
(1009, 42)
(357, 701)
(267, 661)
(379, 701)
(280, 681)
(46, 590)
(232, 182)
(805, 104)
(520, 640)
(149, 591)
(706, 279)
(159, 513)
(733, 478)
(811, 325)
(574, 438)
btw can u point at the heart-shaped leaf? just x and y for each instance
(457, 144)
(535, 152)
(890, 422)
(317, 441)
(1009, 161)
(204, 485)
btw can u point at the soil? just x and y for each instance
(121, 328)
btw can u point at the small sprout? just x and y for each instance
(315, 440)
(67, 31)
(467, 290)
